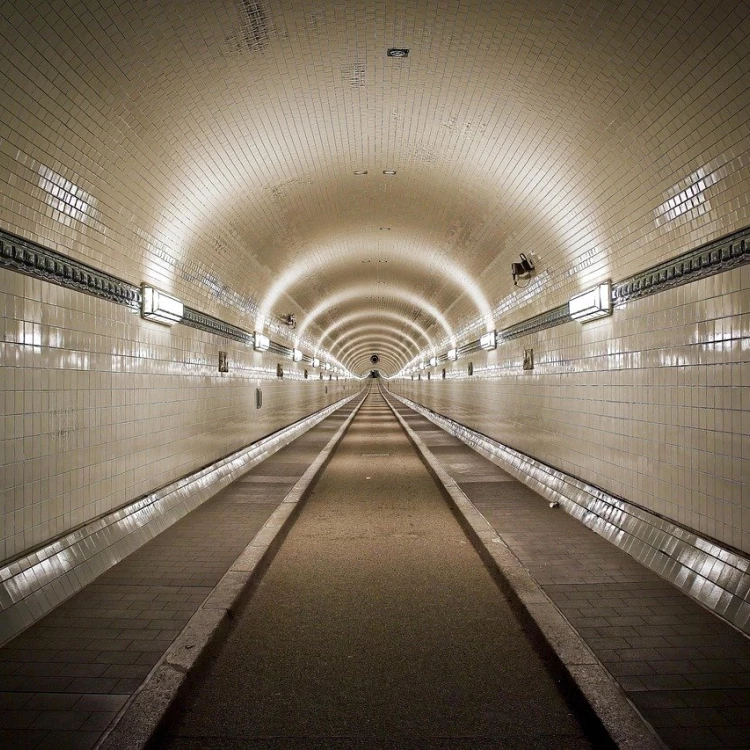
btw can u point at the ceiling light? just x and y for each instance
(360, 171)
(327, 365)
(488, 340)
(316, 362)
(261, 343)
(433, 361)
(296, 355)
(398, 52)
(385, 229)
(389, 172)
(452, 354)
(592, 304)
(160, 307)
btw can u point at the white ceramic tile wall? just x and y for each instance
(181, 145)
(652, 405)
(100, 407)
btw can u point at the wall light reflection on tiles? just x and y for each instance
(71, 202)
(689, 200)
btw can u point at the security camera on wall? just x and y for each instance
(290, 319)
(524, 269)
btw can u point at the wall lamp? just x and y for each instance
(261, 343)
(488, 340)
(592, 304)
(452, 354)
(296, 355)
(316, 362)
(160, 307)
(522, 269)
(422, 365)
(327, 365)
(433, 361)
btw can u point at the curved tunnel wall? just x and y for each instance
(651, 405)
(155, 144)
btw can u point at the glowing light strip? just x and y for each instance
(372, 315)
(423, 258)
(365, 290)
(388, 332)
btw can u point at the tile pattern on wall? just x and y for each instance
(100, 407)
(33, 585)
(718, 578)
(155, 142)
(651, 405)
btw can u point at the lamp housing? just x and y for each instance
(452, 354)
(488, 340)
(160, 307)
(592, 304)
(261, 343)
(296, 355)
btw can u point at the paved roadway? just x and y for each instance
(378, 626)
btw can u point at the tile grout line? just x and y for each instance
(139, 718)
(625, 724)
(33, 585)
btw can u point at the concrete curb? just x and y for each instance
(625, 725)
(141, 715)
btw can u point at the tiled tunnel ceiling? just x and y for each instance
(218, 148)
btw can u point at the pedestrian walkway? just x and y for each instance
(378, 626)
(685, 669)
(63, 680)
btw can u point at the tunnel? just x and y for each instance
(376, 374)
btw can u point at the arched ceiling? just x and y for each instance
(236, 152)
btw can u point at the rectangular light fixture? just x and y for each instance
(452, 354)
(592, 304)
(327, 365)
(296, 355)
(488, 340)
(160, 307)
(316, 362)
(262, 343)
(433, 361)
(422, 365)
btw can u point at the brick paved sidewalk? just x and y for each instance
(686, 670)
(64, 679)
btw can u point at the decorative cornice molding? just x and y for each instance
(554, 317)
(24, 256)
(32, 259)
(714, 257)
(202, 321)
